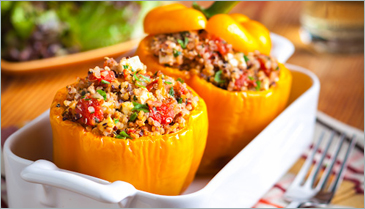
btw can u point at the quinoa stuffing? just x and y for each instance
(216, 61)
(123, 100)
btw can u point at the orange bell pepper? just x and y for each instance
(244, 34)
(235, 118)
(164, 164)
(173, 18)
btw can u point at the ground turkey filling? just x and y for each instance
(122, 100)
(215, 60)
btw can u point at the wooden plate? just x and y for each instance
(69, 60)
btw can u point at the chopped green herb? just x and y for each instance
(136, 77)
(176, 53)
(123, 133)
(218, 77)
(180, 80)
(180, 100)
(140, 86)
(183, 43)
(105, 82)
(125, 66)
(102, 93)
(96, 120)
(155, 73)
(116, 121)
(140, 107)
(145, 78)
(134, 98)
(166, 65)
(87, 99)
(277, 68)
(172, 92)
(251, 78)
(168, 82)
(119, 136)
(246, 58)
(258, 87)
(133, 117)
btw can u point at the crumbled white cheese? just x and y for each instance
(127, 107)
(67, 103)
(145, 95)
(108, 104)
(134, 62)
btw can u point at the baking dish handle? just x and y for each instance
(45, 172)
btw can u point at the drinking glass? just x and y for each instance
(335, 27)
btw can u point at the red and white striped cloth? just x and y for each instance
(354, 172)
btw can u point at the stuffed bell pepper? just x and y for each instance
(226, 60)
(124, 123)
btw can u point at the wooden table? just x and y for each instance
(24, 97)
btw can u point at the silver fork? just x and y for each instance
(306, 194)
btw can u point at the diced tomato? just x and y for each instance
(181, 89)
(131, 131)
(89, 115)
(110, 63)
(163, 114)
(105, 75)
(263, 67)
(240, 82)
(221, 44)
(150, 85)
(222, 48)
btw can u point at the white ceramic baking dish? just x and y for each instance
(32, 182)
(39, 183)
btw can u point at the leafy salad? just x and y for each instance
(36, 30)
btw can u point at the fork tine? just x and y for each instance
(307, 164)
(341, 172)
(323, 181)
(318, 166)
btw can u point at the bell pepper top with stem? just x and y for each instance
(173, 18)
(235, 118)
(244, 34)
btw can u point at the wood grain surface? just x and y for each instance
(24, 97)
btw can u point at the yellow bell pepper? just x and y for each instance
(244, 34)
(164, 164)
(173, 18)
(235, 118)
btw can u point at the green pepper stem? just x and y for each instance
(217, 7)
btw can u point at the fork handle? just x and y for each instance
(294, 204)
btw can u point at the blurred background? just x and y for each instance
(328, 40)
(36, 30)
